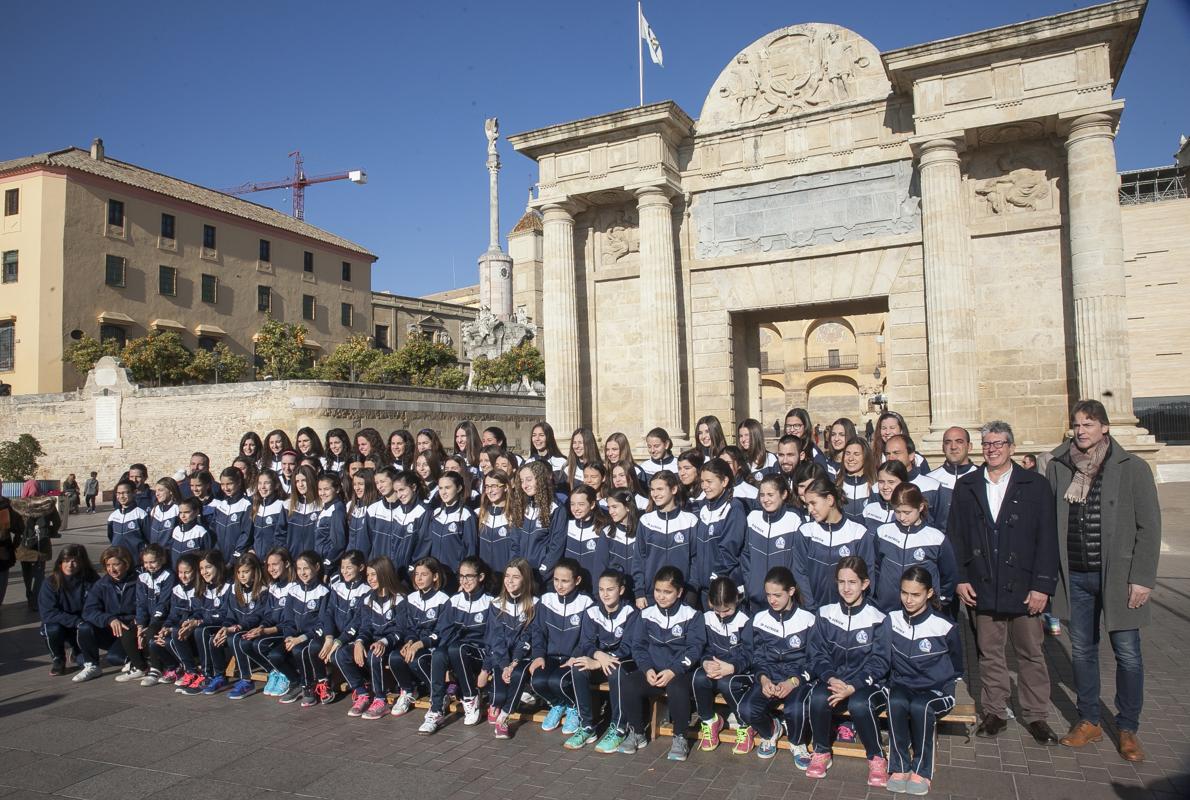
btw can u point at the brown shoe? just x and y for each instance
(1083, 733)
(1130, 749)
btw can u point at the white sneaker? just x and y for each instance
(152, 679)
(471, 711)
(403, 705)
(130, 675)
(88, 672)
(528, 698)
(433, 718)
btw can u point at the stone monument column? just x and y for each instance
(495, 267)
(1097, 265)
(949, 289)
(563, 397)
(659, 306)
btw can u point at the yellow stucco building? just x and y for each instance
(94, 246)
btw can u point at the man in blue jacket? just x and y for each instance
(1002, 525)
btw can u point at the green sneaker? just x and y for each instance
(611, 741)
(580, 738)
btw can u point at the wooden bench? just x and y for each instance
(963, 714)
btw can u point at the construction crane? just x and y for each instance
(298, 183)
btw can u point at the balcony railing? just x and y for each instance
(823, 363)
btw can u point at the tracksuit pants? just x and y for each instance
(369, 677)
(92, 639)
(757, 710)
(733, 688)
(554, 682)
(213, 657)
(411, 677)
(250, 653)
(630, 689)
(301, 663)
(865, 707)
(912, 717)
(183, 651)
(57, 637)
(505, 696)
(464, 660)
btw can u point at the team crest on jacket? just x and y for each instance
(795, 641)
(409, 528)
(453, 527)
(679, 537)
(268, 520)
(502, 532)
(131, 526)
(861, 637)
(431, 613)
(590, 545)
(844, 551)
(478, 616)
(216, 602)
(711, 529)
(573, 619)
(281, 601)
(234, 517)
(313, 517)
(919, 555)
(311, 604)
(925, 646)
(733, 639)
(169, 523)
(619, 631)
(677, 630)
(780, 543)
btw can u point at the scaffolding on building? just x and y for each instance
(1153, 185)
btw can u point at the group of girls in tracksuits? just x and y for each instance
(775, 581)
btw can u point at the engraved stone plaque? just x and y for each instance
(808, 210)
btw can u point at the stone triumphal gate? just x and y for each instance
(949, 209)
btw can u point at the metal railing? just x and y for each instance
(1153, 185)
(823, 363)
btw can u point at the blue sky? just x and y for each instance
(219, 92)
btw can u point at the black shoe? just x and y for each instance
(1042, 733)
(57, 667)
(991, 726)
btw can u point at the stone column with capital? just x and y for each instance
(1097, 266)
(563, 396)
(659, 305)
(949, 289)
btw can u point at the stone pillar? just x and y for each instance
(563, 396)
(1097, 266)
(949, 289)
(659, 312)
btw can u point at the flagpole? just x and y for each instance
(640, 52)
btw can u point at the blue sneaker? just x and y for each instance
(215, 685)
(570, 723)
(553, 719)
(801, 757)
(282, 684)
(242, 689)
(767, 748)
(269, 684)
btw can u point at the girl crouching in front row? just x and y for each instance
(376, 629)
(927, 658)
(850, 655)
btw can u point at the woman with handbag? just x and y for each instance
(35, 523)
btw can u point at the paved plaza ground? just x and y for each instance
(107, 740)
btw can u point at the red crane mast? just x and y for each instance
(298, 183)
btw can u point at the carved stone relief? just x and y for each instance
(792, 71)
(807, 210)
(619, 235)
(1011, 180)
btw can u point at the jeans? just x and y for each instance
(1086, 607)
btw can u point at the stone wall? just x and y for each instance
(161, 427)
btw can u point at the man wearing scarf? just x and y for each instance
(1109, 526)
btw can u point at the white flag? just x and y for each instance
(650, 38)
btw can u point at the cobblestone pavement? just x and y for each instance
(102, 739)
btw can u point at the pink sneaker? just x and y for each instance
(878, 772)
(360, 702)
(493, 715)
(170, 676)
(819, 764)
(501, 730)
(378, 709)
(708, 735)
